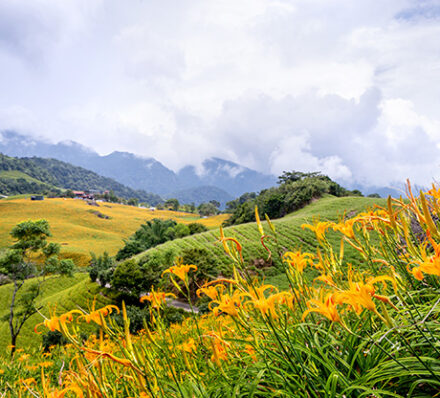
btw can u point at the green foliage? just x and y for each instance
(30, 235)
(207, 209)
(172, 204)
(196, 228)
(128, 278)
(133, 202)
(140, 316)
(135, 314)
(16, 264)
(152, 233)
(292, 176)
(64, 293)
(207, 267)
(288, 229)
(296, 189)
(53, 339)
(101, 268)
(156, 232)
(181, 230)
(133, 277)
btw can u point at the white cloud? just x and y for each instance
(349, 88)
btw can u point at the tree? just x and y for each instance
(133, 202)
(101, 268)
(17, 265)
(195, 228)
(172, 204)
(292, 176)
(216, 203)
(152, 233)
(207, 209)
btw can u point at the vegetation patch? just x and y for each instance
(339, 328)
(83, 232)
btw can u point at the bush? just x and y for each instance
(195, 228)
(155, 232)
(295, 191)
(101, 268)
(132, 278)
(53, 339)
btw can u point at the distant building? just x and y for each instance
(79, 194)
(83, 195)
(37, 197)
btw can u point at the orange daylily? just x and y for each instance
(234, 252)
(345, 228)
(429, 264)
(266, 305)
(97, 316)
(360, 295)
(327, 307)
(298, 260)
(57, 322)
(227, 304)
(318, 228)
(156, 298)
(188, 346)
(219, 349)
(327, 279)
(212, 291)
(180, 271)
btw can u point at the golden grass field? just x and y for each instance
(74, 225)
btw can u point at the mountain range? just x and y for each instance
(216, 179)
(38, 175)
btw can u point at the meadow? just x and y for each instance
(78, 227)
(368, 328)
(290, 234)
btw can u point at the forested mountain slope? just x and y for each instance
(37, 175)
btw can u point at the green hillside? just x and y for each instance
(68, 293)
(38, 175)
(15, 175)
(64, 293)
(289, 232)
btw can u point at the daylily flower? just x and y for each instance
(327, 307)
(156, 298)
(188, 346)
(360, 295)
(298, 260)
(345, 228)
(57, 322)
(429, 264)
(212, 291)
(318, 228)
(181, 271)
(97, 316)
(227, 304)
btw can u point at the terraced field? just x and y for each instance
(69, 293)
(81, 228)
(290, 235)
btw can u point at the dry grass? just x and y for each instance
(79, 230)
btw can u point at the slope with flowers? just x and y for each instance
(340, 331)
(81, 228)
(289, 233)
(60, 293)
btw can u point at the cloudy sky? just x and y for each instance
(348, 87)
